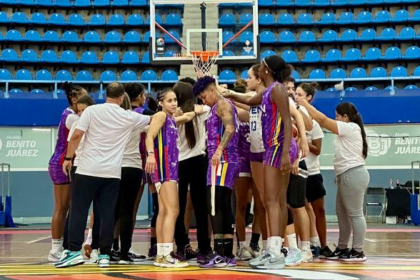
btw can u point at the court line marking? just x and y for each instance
(38, 239)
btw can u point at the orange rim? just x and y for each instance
(205, 55)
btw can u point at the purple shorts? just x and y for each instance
(273, 154)
(57, 175)
(225, 174)
(257, 157)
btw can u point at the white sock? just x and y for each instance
(242, 244)
(305, 245)
(159, 249)
(264, 244)
(291, 238)
(167, 248)
(57, 244)
(315, 241)
(275, 243)
(89, 237)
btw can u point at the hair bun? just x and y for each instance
(314, 85)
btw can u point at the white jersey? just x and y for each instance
(255, 130)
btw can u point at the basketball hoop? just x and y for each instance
(203, 61)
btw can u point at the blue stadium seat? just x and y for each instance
(305, 19)
(330, 89)
(169, 75)
(290, 56)
(327, 18)
(392, 1)
(358, 73)
(382, 17)
(339, 2)
(348, 35)
(317, 74)
(4, 18)
(92, 37)
(417, 72)
(5, 74)
(97, 20)
(145, 59)
(108, 76)
(352, 54)
(33, 36)
(76, 20)
(69, 57)
(246, 36)
(267, 53)
(174, 33)
(412, 52)
(244, 19)
(44, 75)
(135, 19)
(225, 53)
(287, 37)
(49, 56)
(101, 3)
(399, 71)
(351, 89)
(378, 72)
(84, 75)
(329, 36)
(89, 57)
(158, 19)
(51, 36)
(37, 91)
(411, 87)
(332, 55)
(415, 16)
(128, 75)
(345, 18)
(82, 3)
(27, 2)
(387, 34)
(307, 36)
(29, 55)
(171, 53)
(400, 16)
(148, 75)
(9, 55)
(266, 19)
(15, 91)
(130, 57)
(371, 88)
(392, 53)
(46, 3)
(120, 3)
(364, 17)
(116, 20)
(57, 19)
(37, 18)
(368, 34)
(132, 37)
(284, 3)
(226, 35)
(173, 20)
(372, 54)
(266, 3)
(407, 33)
(19, 17)
(322, 3)
(244, 75)
(303, 3)
(226, 75)
(338, 73)
(111, 57)
(23, 74)
(63, 75)
(138, 3)
(390, 87)
(70, 36)
(359, 2)
(244, 53)
(285, 19)
(312, 56)
(13, 35)
(295, 75)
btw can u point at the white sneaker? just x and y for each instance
(294, 257)
(54, 256)
(103, 261)
(244, 253)
(94, 256)
(307, 256)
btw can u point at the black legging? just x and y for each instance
(223, 219)
(193, 172)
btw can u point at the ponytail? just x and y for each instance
(359, 121)
(72, 91)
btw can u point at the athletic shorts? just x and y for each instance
(257, 157)
(226, 174)
(273, 154)
(296, 191)
(245, 168)
(315, 188)
(57, 175)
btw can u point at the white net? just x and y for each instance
(203, 62)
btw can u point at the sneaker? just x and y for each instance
(274, 260)
(294, 257)
(152, 252)
(337, 254)
(94, 256)
(55, 256)
(70, 259)
(230, 261)
(255, 249)
(244, 253)
(316, 250)
(115, 256)
(203, 258)
(126, 260)
(103, 261)
(353, 256)
(173, 261)
(134, 255)
(260, 260)
(214, 261)
(189, 252)
(88, 250)
(325, 252)
(158, 261)
(307, 256)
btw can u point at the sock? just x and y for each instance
(116, 244)
(228, 247)
(265, 245)
(305, 245)
(255, 238)
(57, 244)
(167, 248)
(275, 244)
(153, 241)
(315, 241)
(159, 249)
(292, 241)
(89, 237)
(218, 246)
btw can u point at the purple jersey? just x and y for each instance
(61, 145)
(166, 152)
(139, 110)
(244, 149)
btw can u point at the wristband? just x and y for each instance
(68, 158)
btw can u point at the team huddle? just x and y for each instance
(259, 142)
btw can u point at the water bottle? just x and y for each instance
(391, 185)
